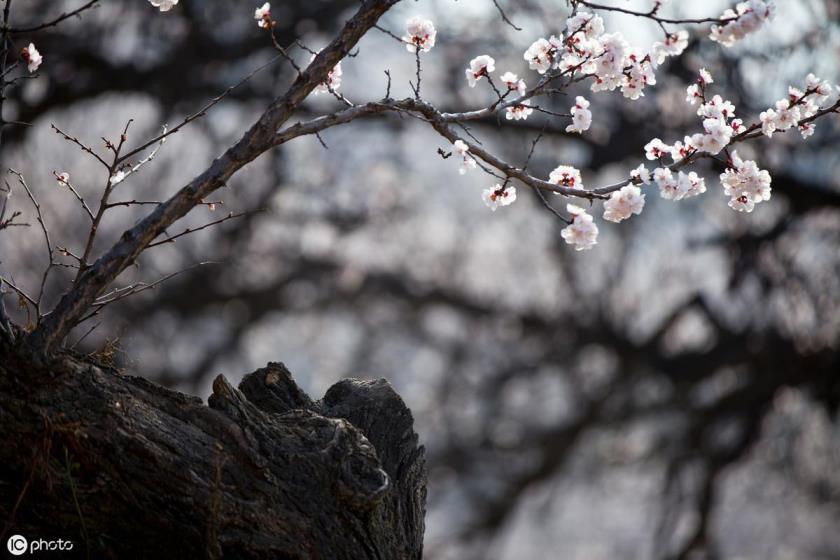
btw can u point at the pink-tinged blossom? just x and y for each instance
(582, 232)
(746, 18)
(673, 45)
(479, 66)
(63, 178)
(263, 16)
(31, 57)
(581, 116)
(623, 203)
(704, 77)
(520, 111)
(164, 5)
(498, 196)
(420, 34)
(566, 176)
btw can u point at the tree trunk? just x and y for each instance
(127, 469)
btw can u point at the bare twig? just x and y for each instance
(504, 15)
(187, 231)
(56, 21)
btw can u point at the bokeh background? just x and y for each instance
(672, 393)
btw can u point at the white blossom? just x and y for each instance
(31, 57)
(63, 178)
(591, 26)
(498, 196)
(567, 176)
(768, 122)
(333, 81)
(513, 83)
(263, 15)
(667, 183)
(540, 55)
(117, 177)
(164, 5)
(656, 149)
(642, 174)
(717, 137)
(582, 232)
(461, 149)
(581, 116)
(786, 116)
(520, 111)
(693, 94)
(623, 203)
(479, 66)
(690, 184)
(420, 34)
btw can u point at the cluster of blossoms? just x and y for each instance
(605, 56)
(581, 116)
(31, 57)
(498, 195)
(745, 183)
(679, 186)
(263, 16)
(164, 5)
(463, 151)
(719, 122)
(582, 232)
(746, 18)
(797, 106)
(420, 34)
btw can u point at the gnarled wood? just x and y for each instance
(127, 469)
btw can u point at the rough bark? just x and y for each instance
(127, 469)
